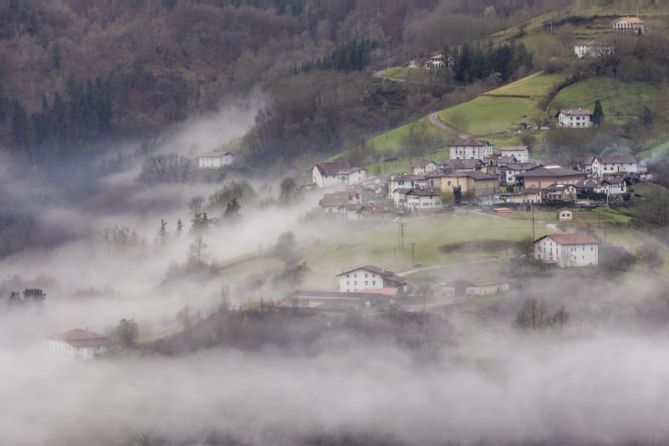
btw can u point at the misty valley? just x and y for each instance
(334, 222)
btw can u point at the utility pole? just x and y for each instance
(533, 237)
(401, 235)
(413, 253)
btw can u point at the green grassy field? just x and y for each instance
(488, 115)
(622, 102)
(534, 85)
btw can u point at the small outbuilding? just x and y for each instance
(565, 215)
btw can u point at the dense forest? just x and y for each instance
(76, 72)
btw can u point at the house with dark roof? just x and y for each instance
(369, 278)
(543, 176)
(556, 193)
(574, 118)
(567, 250)
(337, 173)
(614, 163)
(79, 344)
(470, 148)
(418, 199)
(469, 165)
(422, 167)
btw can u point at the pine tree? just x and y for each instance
(598, 114)
(180, 227)
(162, 232)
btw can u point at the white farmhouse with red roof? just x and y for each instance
(630, 24)
(567, 250)
(78, 343)
(575, 118)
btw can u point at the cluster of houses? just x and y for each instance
(475, 172)
(595, 48)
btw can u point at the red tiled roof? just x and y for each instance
(80, 338)
(420, 163)
(632, 20)
(573, 239)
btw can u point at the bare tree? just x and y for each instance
(197, 250)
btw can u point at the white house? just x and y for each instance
(567, 250)
(592, 48)
(614, 163)
(520, 153)
(418, 199)
(337, 173)
(470, 148)
(215, 160)
(366, 278)
(630, 24)
(575, 118)
(79, 344)
(435, 62)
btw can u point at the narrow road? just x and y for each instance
(450, 265)
(433, 118)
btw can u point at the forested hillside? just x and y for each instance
(77, 72)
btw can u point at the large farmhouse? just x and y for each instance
(575, 118)
(470, 148)
(543, 176)
(79, 344)
(567, 250)
(366, 278)
(630, 24)
(337, 173)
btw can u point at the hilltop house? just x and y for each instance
(543, 176)
(418, 199)
(470, 183)
(337, 173)
(422, 167)
(520, 153)
(435, 62)
(215, 160)
(591, 48)
(575, 118)
(369, 278)
(630, 24)
(567, 250)
(79, 344)
(470, 148)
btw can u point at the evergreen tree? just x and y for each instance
(232, 210)
(598, 114)
(162, 232)
(180, 227)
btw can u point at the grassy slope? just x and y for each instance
(343, 248)
(621, 101)
(499, 111)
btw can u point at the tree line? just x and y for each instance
(82, 116)
(478, 62)
(353, 55)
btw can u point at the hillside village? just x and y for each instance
(469, 175)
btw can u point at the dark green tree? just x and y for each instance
(598, 113)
